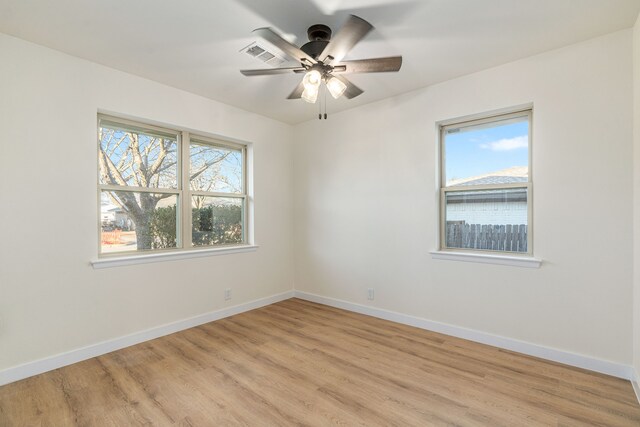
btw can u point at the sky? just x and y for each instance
(476, 151)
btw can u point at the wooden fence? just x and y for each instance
(510, 238)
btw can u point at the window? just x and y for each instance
(485, 193)
(166, 189)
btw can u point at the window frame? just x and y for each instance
(443, 189)
(183, 191)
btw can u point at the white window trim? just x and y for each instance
(486, 258)
(144, 258)
(477, 255)
(183, 237)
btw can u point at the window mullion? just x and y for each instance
(245, 200)
(509, 185)
(131, 188)
(217, 194)
(186, 191)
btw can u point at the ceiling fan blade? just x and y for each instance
(374, 65)
(352, 90)
(293, 51)
(297, 92)
(271, 71)
(346, 38)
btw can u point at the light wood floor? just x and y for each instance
(300, 363)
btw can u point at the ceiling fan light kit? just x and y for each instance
(310, 94)
(321, 58)
(312, 79)
(335, 86)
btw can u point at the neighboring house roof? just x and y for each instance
(495, 179)
(504, 176)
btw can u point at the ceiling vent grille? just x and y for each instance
(260, 52)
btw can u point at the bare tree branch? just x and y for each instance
(163, 153)
(208, 164)
(110, 173)
(141, 177)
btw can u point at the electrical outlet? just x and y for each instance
(370, 294)
(227, 294)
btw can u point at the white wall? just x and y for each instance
(51, 299)
(636, 198)
(365, 204)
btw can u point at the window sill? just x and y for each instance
(120, 261)
(515, 261)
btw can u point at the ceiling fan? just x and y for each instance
(321, 59)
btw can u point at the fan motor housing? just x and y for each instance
(319, 32)
(314, 48)
(319, 36)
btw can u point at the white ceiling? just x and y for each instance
(194, 44)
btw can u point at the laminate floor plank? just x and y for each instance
(300, 363)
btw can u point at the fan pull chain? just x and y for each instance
(325, 102)
(320, 96)
(320, 107)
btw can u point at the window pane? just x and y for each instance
(131, 156)
(493, 220)
(215, 169)
(217, 220)
(133, 221)
(488, 153)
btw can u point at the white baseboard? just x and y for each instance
(635, 382)
(54, 362)
(560, 356)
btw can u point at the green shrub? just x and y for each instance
(212, 225)
(217, 225)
